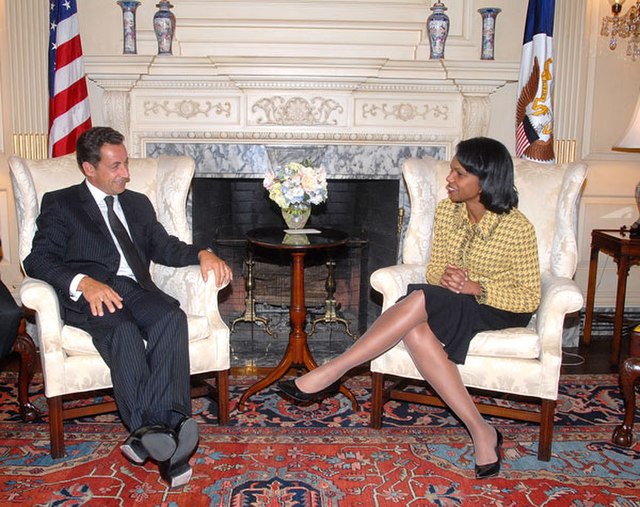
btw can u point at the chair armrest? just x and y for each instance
(196, 296)
(560, 295)
(392, 281)
(42, 298)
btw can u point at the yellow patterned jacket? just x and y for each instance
(500, 252)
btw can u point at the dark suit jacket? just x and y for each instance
(72, 237)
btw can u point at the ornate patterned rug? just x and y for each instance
(275, 454)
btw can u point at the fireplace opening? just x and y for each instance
(225, 209)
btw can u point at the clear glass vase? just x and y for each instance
(296, 217)
(296, 240)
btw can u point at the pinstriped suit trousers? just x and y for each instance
(10, 315)
(145, 345)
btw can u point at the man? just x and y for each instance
(93, 244)
(10, 315)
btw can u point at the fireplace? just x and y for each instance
(366, 193)
(224, 209)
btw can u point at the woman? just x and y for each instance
(483, 275)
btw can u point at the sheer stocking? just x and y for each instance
(407, 321)
(443, 376)
(384, 333)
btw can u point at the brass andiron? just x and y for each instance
(330, 313)
(249, 314)
(400, 221)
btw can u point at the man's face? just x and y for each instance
(111, 174)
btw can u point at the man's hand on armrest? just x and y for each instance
(210, 261)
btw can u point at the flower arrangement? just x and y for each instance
(296, 186)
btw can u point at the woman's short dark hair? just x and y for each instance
(491, 162)
(90, 141)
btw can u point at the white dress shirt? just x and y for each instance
(123, 268)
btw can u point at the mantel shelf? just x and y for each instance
(348, 73)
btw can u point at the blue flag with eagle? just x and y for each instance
(534, 114)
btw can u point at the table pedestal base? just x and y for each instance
(297, 354)
(287, 362)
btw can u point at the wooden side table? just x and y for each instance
(297, 354)
(625, 251)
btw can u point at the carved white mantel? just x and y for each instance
(293, 100)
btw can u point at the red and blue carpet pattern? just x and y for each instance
(275, 454)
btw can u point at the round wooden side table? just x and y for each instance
(297, 354)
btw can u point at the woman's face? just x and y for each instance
(462, 186)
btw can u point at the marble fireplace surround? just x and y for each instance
(286, 100)
(351, 164)
(342, 162)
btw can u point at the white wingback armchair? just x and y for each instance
(70, 362)
(517, 361)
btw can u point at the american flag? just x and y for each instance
(69, 113)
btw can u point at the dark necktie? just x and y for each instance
(140, 271)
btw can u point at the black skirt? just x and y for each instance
(456, 318)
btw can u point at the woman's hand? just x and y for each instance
(457, 280)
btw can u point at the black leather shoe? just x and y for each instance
(290, 388)
(176, 470)
(178, 477)
(133, 449)
(491, 469)
(159, 441)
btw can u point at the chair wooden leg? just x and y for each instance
(547, 411)
(629, 373)
(377, 393)
(222, 383)
(56, 427)
(26, 349)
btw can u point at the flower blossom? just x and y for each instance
(296, 185)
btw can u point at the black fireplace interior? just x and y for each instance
(224, 209)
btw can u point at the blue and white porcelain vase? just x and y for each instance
(489, 15)
(438, 29)
(129, 36)
(164, 24)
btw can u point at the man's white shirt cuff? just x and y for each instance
(74, 293)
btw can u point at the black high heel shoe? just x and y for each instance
(290, 388)
(491, 469)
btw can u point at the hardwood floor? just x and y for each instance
(592, 359)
